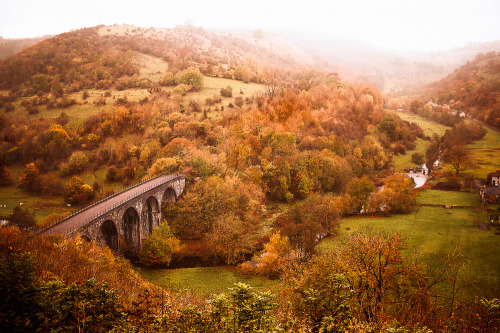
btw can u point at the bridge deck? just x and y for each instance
(87, 215)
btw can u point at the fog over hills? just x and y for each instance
(390, 71)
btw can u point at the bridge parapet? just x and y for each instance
(133, 213)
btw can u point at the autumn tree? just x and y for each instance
(231, 238)
(361, 189)
(271, 261)
(157, 249)
(460, 158)
(365, 276)
(192, 77)
(77, 162)
(5, 176)
(433, 152)
(417, 158)
(310, 221)
(75, 191)
(210, 199)
(22, 218)
(164, 165)
(29, 178)
(397, 196)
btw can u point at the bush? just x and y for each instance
(226, 92)
(164, 165)
(181, 89)
(29, 177)
(5, 176)
(191, 77)
(9, 107)
(399, 149)
(77, 162)
(168, 79)
(62, 119)
(238, 101)
(51, 185)
(417, 158)
(112, 174)
(75, 191)
(22, 218)
(158, 248)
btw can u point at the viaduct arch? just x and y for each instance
(123, 220)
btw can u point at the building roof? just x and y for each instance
(491, 190)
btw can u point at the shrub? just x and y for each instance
(5, 176)
(77, 162)
(9, 107)
(22, 218)
(158, 248)
(238, 101)
(164, 165)
(62, 119)
(29, 177)
(112, 174)
(417, 158)
(75, 191)
(192, 77)
(51, 185)
(227, 92)
(181, 89)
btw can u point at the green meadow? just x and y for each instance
(204, 280)
(435, 232)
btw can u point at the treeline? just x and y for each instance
(93, 58)
(365, 284)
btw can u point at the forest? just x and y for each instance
(275, 157)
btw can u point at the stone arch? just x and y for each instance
(151, 211)
(169, 196)
(110, 235)
(85, 238)
(131, 230)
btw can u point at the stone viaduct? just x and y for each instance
(123, 220)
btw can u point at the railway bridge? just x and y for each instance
(124, 219)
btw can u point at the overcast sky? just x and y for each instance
(418, 25)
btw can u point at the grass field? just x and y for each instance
(449, 198)
(438, 231)
(204, 280)
(487, 153)
(43, 206)
(401, 161)
(430, 127)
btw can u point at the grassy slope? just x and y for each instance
(487, 153)
(429, 128)
(149, 66)
(439, 231)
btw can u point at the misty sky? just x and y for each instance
(418, 25)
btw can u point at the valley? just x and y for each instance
(297, 201)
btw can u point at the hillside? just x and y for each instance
(473, 88)
(9, 46)
(99, 57)
(393, 72)
(275, 154)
